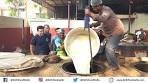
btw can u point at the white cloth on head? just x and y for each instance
(60, 31)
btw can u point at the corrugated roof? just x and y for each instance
(117, 5)
(55, 2)
(52, 3)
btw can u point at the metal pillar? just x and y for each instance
(129, 19)
(69, 2)
(77, 1)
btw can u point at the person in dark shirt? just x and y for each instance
(46, 30)
(47, 33)
(40, 43)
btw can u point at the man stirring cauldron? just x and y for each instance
(112, 28)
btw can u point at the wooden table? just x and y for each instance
(128, 49)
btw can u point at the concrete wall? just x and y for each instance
(11, 33)
(14, 34)
(0, 11)
(54, 23)
(10, 22)
(140, 21)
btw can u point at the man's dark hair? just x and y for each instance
(40, 27)
(141, 29)
(47, 25)
(57, 29)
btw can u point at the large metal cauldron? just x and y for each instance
(68, 69)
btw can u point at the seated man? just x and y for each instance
(59, 44)
(140, 35)
(40, 43)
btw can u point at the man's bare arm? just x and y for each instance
(103, 17)
(32, 49)
(96, 24)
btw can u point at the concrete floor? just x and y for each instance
(54, 70)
